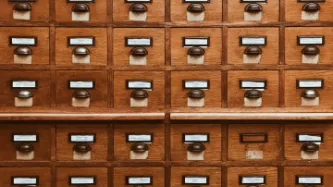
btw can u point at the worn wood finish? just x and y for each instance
(214, 174)
(120, 174)
(291, 172)
(271, 174)
(293, 10)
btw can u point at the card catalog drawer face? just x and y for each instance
(183, 136)
(301, 10)
(253, 45)
(24, 42)
(150, 176)
(300, 39)
(184, 40)
(246, 176)
(127, 43)
(302, 176)
(21, 176)
(94, 83)
(184, 82)
(36, 83)
(265, 11)
(240, 82)
(253, 142)
(149, 82)
(297, 136)
(192, 176)
(95, 137)
(300, 82)
(128, 136)
(67, 177)
(73, 42)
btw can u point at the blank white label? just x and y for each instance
(309, 138)
(139, 138)
(253, 84)
(81, 41)
(82, 180)
(253, 180)
(310, 84)
(24, 138)
(196, 84)
(139, 84)
(253, 41)
(195, 137)
(195, 180)
(311, 40)
(24, 180)
(138, 41)
(23, 41)
(24, 84)
(139, 180)
(196, 42)
(81, 84)
(82, 138)
(309, 180)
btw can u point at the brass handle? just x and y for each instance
(81, 51)
(253, 50)
(80, 8)
(82, 148)
(310, 50)
(311, 7)
(25, 148)
(196, 51)
(138, 8)
(139, 147)
(81, 94)
(24, 94)
(310, 94)
(310, 147)
(253, 8)
(139, 51)
(22, 51)
(253, 94)
(196, 147)
(195, 8)
(22, 7)
(196, 94)
(139, 94)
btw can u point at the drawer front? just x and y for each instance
(77, 46)
(24, 45)
(301, 140)
(82, 142)
(188, 10)
(303, 176)
(139, 46)
(193, 142)
(253, 142)
(34, 11)
(308, 45)
(25, 89)
(186, 176)
(139, 142)
(152, 176)
(139, 89)
(306, 11)
(194, 46)
(92, 176)
(40, 176)
(308, 88)
(248, 176)
(88, 11)
(253, 45)
(242, 86)
(73, 86)
(196, 89)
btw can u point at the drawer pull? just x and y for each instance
(252, 186)
(195, 8)
(253, 50)
(82, 148)
(253, 94)
(138, 8)
(25, 148)
(81, 51)
(81, 94)
(311, 7)
(139, 147)
(22, 7)
(139, 94)
(80, 8)
(310, 147)
(310, 94)
(310, 50)
(24, 94)
(196, 51)
(196, 147)
(253, 8)
(22, 51)
(196, 94)
(139, 51)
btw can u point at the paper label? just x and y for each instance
(82, 138)
(139, 138)
(196, 84)
(25, 180)
(253, 180)
(253, 84)
(196, 41)
(196, 138)
(195, 180)
(81, 41)
(139, 84)
(309, 83)
(138, 41)
(22, 41)
(81, 84)
(138, 180)
(303, 40)
(82, 180)
(309, 138)
(252, 40)
(25, 138)
(309, 180)
(24, 84)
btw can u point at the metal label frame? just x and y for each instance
(81, 134)
(35, 38)
(13, 178)
(138, 134)
(240, 178)
(93, 177)
(243, 135)
(80, 1)
(138, 37)
(12, 86)
(205, 134)
(128, 81)
(17, 1)
(299, 80)
(199, 1)
(242, 37)
(86, 37)
(255, 1)
(193, 176)
(300, 37)
(308, 176)
(27, 134)
(309, 1)
(310, 134)
(127, 178)
(253, 80)
(129, 1)
(184, 83)
(196, 38)
(69, 84)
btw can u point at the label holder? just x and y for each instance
(243, 135)
(136, 45)
(138, 1)
(23, 37)
(14, 87)
(251, 176)
(35, 177)
(199, 134)
(298, 81)
(142, 87)
(309, 176)
(252, 37)
(81, 1)
(22, 0)
(81, 134)
(70, 81)
(309, 1)
(193, 1)
(25, 134)
(206, 87)
(310, 134)
(253, 80)
(83, 37)
(302, 37)
(195, 176)
(127, 178)
(70, 180)
(196, 38)
(139, 134)
(254, 1)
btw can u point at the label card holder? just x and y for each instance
(134, 137)
(253, 84)
(196, 137)
(252, 40)
(81, 84)
(22, 0)
(81, 137)
(195, 180)
(253, 138)
(318, 180)
(310, 83)
(253, 1)
(25, 180)
(196, 41)
(138, 41)
(252, 179)
(196, 84)
(310, 40)
(308, 1)
(23, 40)
(27, 84)
(25, 137)
(139, 84)
(196, 1)
(309, 137)
(82, 180)
(80, 1)
(139, 180)
(81, 41)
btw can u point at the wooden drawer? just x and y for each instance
(303, 176)
(253, 45)
(82, 142)
(242, 86)
(139, 89)
(192, 176)
(88, 11)
(300, 139)
(21, 176)
(196, 142)
(253, 142)
(307, 10)
(151, 176)
(195, 46)
(76, 46)
(92, 176)
(139, 142)
(308, 45)
(308, 88)
(25, 89)
(81, 89)
(196, 89)
(24, 45)
(139, 46)
(256, 176)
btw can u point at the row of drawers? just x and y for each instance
(146, 142)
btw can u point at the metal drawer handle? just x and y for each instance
(22, 51)
(22, 7)
(310, 94)
(253, 94)
(80, 8)
(311, 7)
(252, 186)
(195, 8)
(196, 147)
(196, 51)
(81, 94)
(196, 94)
(139, 94)
(138, 8)
(139, 147)
(253, 8)
(25, 148)
(81, 51)
(253, 50)
(139, 51)
(310, 147)
(310, 50)
(82, 148)
(24, 94)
